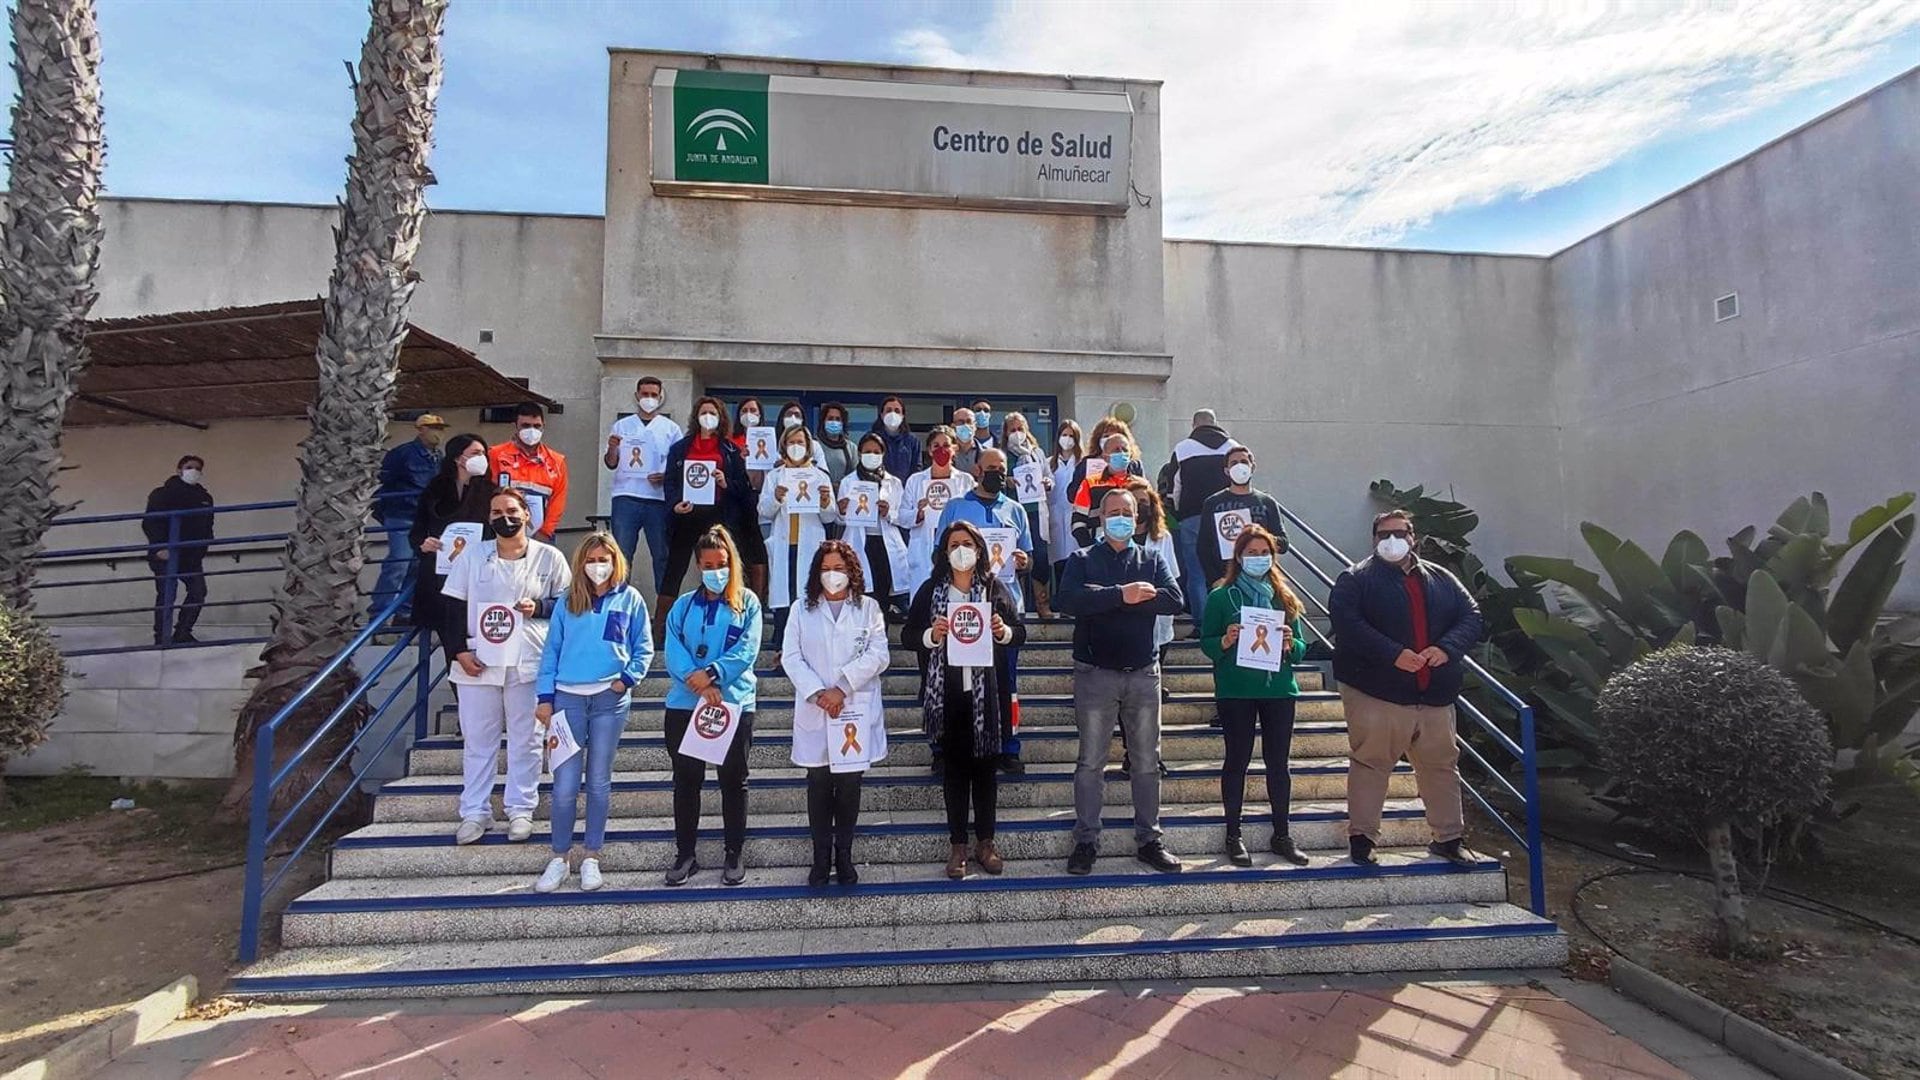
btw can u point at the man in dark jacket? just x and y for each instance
(1199, 469)
(176, 550)
(404, 474)
(1400, 628)
(1249, 505)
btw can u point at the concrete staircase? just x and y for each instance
(407, 910)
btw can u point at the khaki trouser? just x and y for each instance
(1380, 733)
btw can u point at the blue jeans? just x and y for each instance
(596, 722)
(631, 517)
(396, 570)
(1193, 579)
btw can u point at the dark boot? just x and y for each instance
(1237, 851)
(846, 814)
(1360, 850)
(822, 863)
(1284, 847)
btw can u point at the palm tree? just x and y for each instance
(49, 254)
(364, 320)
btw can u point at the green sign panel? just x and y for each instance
(720, 126)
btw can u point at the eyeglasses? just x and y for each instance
(1403, 534)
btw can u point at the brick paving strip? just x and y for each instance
(1310, 1028)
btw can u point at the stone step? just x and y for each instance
(1242, 945)
(412, 849)
(377, 912)
(905, 681)
(639, 752)
(889, 787)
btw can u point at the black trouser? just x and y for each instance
(690, 774)
(682, 532)
(881, 587)
(189, 588)
(833, 809)
(967, 778)
(1273, 719)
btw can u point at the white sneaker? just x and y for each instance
(471, 830)
(556, 873)
(589, 875)
(519, 828)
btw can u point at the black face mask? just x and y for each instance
(993, 481)
(506, 526)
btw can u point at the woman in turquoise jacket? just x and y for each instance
(712, 640)
(598, 647)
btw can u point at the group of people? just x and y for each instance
(951, 552)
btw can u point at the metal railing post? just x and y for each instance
(1530, 768)
(262, 797)
(169, 583)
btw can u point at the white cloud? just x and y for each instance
(1356, 122)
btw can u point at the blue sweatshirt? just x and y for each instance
(613, 639)
(706, 633)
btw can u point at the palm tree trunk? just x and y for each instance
(49, 254)
(364, 320)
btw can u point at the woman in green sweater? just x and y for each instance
(1252, 701)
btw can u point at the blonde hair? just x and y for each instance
(798, 431)
(1105, 429)
(719, 539)
(581, 593)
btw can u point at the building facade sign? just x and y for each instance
(740, 134)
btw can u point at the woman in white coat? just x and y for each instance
(835, 650)
(881, 548)
(797, 500)
(1062, 464)
(926, 493)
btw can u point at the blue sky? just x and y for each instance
(1446, 126)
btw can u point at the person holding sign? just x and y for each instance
(1233, 508)
(493, 632)
(964, 708)
(1061, 468)
(459, 493)
(710, 443)
(922, 501)
(712, 640)
(598, 647)
(1032, 483)
(989, 508)
(881, 549)
(835, 650)
(637, 453)
(1254, 614)
(798, 501)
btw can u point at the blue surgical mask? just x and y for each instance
(1120, 528)
(1257, 565)
(716, 580)
(1119, 462)
(965, 431)
(835, 427)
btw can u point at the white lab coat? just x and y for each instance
(907, 515)
(848, 652)
(890, 493)
(1060, 512)
(1163, 624)
(780, 590)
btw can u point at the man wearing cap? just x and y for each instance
(404, 473)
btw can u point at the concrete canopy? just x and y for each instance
(253, 363)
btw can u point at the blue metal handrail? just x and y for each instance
(421, 678)
(1525, 750)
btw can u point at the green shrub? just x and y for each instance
(32, 684)
(1706, 740)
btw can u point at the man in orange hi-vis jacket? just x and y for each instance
(536, 471)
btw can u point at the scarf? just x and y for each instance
(1252, 591)
(933, 694)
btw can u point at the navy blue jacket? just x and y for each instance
(404, 473)
(902, 450)
(737, 505)
(1373, 622)
(1107, 631)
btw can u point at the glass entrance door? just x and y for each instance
(924, 411)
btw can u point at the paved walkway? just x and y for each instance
(1305, 1028)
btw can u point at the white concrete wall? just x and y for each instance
(1675, 421)
(1343, 366)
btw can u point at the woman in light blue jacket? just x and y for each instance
(597, 651)
(712, 640)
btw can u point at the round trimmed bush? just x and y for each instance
(32, 683)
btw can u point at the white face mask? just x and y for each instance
(796, 452)
(1067, 442)
(599, 572)
(789, 422)
(834, 581)
(648, 404)
(531, 436)
(476, 465)
(1240, 472)
(962, 558)
(872, 461)
(709, 421)
(749, 419)
(1392, 549)
(191, 476)
(892, 420)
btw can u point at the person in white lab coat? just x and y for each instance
(926, 493)
(1063, 464)
(835, 650)
(790, 546)
(881, 548)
